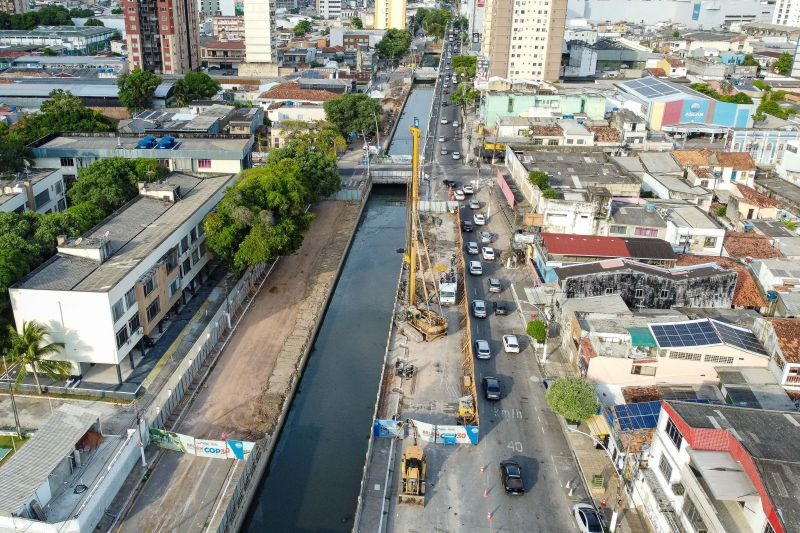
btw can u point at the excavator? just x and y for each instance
(412, 468)
(428, 322)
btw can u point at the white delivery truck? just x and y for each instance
(447, 293)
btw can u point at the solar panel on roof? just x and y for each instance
(642, 415)
(739, 337)
(685, 334)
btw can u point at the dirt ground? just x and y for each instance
(182, 492)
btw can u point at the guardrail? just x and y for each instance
(469, 360)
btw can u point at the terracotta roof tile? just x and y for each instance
(292, 91)
(549, 130)
(584, 245)
(691, 158)
(634, 394)
(787, 332)
(747, 292)
(736, 160)
(740, 244)
(657, 72)
(675, 62)
(754, 197)
(605, 133)
(224, 45)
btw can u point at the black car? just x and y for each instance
(511, 475)
(467, 226)
(500, 309)
(491, 388)
(451, 183)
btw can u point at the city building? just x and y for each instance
(606, 56)
(634, 220)
(30, 92)
(745, 203)
(766, 145)
(229, 28)
(781, 338)
(786, 13)
(712, 14)
(163, 37)
(204, 117)
(104, 66)
(644, 286)
(194, 153)
(329, 9)
(291, 95)
(352, 39)
(390, 15)
(80, 40)
(225, 8)
(523, 39)
(724, 170)
(223, 54)
(721, 468)
(674, 107)
(13, 6)
(102, 292)
(534, 101)
(42, 191)
(260, 44)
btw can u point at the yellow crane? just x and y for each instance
(428, 322)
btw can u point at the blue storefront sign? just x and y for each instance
(694, 111)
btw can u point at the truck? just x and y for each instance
(447, 293)
(412, 469)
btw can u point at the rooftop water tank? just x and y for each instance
(165, 143)
(146, 143)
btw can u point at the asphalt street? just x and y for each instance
(520, 426)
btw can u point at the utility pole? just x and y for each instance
(13, 400)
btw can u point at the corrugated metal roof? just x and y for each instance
(584, 245)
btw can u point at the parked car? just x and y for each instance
(455, 123)
(482, 350)
(475, 268)
(457, 156)
(510, 344)
(546, 382)
(467, 226)
(468, 189)
(444, 121)
(443, 151)
(500, 309)
(588, 518)
(495, 285)
(488, 253)
(441, 139)
(474, 204)
(511, 475)
(472, 248)
(486, 237)
(491, 388)
(451, 183)
(445, 104)
(479, 309)
(478, 218)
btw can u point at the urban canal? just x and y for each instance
(313, 479)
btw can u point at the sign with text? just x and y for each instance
(218, 449)
(446, 434)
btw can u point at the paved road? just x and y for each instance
(520, 426)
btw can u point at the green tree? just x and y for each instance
(49, 52)
(433, 21)
(393, 45)
(353, 112)
(550, 193)
(303, 27)
(13, 154)
(465, 65)
(676, 34)
(357, 23)
(136, 89)
(80, 12)
(537, 330)
(783, 65)
(110, 183)
(31, 349)
(761, 84)
(540, 179)
(195, 86)
(316, 152)
(465, 95)
(573, 398)
(93, 22)
(116, 36)
(749, 61)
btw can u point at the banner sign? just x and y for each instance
(445, 434)
(386, 428)
(218, 449)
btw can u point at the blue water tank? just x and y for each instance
(146, 143)
(165, 143)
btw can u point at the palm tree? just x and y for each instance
(30, 350)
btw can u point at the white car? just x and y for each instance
(474, 204)
(482, 350)
(472, 248)
(486, 237)
(455, 123)
(457, 155)
(510, 344)
(475, 268)
(479, 219)
(441, 139)
(468, 189)
(488, 253)
(588, 518)
(444, 121)
(459, 194)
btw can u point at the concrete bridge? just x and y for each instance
(390, 174)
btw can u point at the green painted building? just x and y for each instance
(497, 104)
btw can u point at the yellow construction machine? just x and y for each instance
(466, 411)
(412, 469)
(428, 322)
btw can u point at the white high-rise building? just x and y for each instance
(259, 24)
(390, 14)
(523, 38)
(329, 9)
(787, 13)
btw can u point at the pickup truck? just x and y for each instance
(511, 475)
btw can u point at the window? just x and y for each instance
(43, 198)
(195, 256)
(149, 285)
(641, 370)
(552, 142)
(130, 298)
(193, 235)
(639, 293)
(187, 266)
(665, 467)
(664, 293)
(184, 244)
(693, 516)
(686, 356)
(59, 187)
(200, 230)
(710, 242)
(618, 230)
(645, 232)
(174, 287)
(67, 161)
(609, 290)
(203, 163)
(719, 359)
(122, 336)
(133, 324)
(674, 434)
(153, 310)
(118, 310)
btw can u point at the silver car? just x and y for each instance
(479, 309)
(472, 248)
(482, 350)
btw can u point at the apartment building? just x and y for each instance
(163, 37)
(787, 13)
(329, 9)
(13, 6)
(523, 38)
(225, 8)
(260, 48)
(720, 468)
(231, 28)
(390, 15)
(102, 292)
(42, 191)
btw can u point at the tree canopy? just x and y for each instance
(195, 86)
(783, 65)
(33, 352)
(770, 105)
(573, 398)
(110, 183)
(303, 27)
(46, 16)
(353, 112)
(465, 95)
(93, 22)
(465, 65)
(433, 21)
(357, 23)
(537, 330)
(81, 12)
(738, 98)
(136, 89)
(393, 45)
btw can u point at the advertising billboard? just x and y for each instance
(217, 449)
(694, 111)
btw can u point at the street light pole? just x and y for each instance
(13, 400)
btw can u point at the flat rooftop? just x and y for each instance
(59, 31)
(613, 265)
(753, 387)
(134, 232)
(100, 145)
(636, 215)
(571, 170)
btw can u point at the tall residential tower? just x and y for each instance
(13, 6)
(163, 37)
(261, 58)
(523, 38)
(390, 14)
